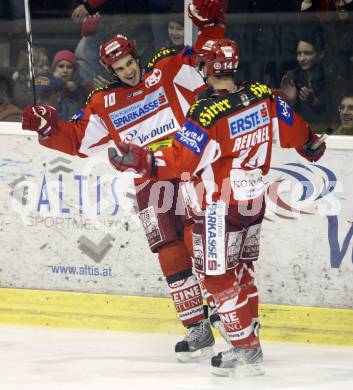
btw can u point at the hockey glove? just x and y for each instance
(90, 25)
(133, 158)
(208, 9)
(42, 119)
(206, 13)
(308, 152)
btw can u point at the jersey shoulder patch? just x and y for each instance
(102, 88)
(160, 55)
(208, 111)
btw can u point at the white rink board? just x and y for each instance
(306, 259)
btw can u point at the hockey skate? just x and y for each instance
(197, 344)
(245, 362)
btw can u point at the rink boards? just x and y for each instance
(70, 224)
(157, 315)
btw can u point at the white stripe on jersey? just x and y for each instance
(211, 153)
(189, 78)
(275, 131)
(209, 183)
(95, 131)
(182, 101)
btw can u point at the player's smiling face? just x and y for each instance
(128, 70)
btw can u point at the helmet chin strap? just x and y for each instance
(204, 78)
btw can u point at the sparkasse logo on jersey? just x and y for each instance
(151, 103)
(249, 120)
(152, 129)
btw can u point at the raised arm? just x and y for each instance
(209, 18)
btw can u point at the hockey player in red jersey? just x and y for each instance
(224, 150)
(146, 107)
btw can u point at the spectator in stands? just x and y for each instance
(22, 94)
(87, 56)
(65, 67)
(343, 7)
(130, 18)
(175, 28)
(305, 87)
(340, 54)
(8, 111)
(50, 91)
(265, 34)
(158, 11)
(345, 110)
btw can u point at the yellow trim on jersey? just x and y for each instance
(157, 315)
(164, 143)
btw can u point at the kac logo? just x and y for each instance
(154, 78)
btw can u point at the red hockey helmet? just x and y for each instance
(114, 49)
(218, 57)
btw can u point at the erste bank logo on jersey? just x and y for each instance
(249, 120)
(151, 103)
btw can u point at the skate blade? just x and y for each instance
(220, 371)
(241, 370)
(250, 370)
(196, 356)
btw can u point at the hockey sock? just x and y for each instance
(249, 286)
(186, 294)
(205, 294)
(234, 310)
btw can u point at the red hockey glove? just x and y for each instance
(90, 25)
(208, 9)
(42, 119)
(206, 13)
(308, 152)
(133, 159)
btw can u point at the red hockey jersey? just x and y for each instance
(153, 110)
(225, 145)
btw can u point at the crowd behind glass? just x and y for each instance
(302, 49)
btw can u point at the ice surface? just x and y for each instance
(52, 359)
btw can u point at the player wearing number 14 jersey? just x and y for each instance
(224, 150)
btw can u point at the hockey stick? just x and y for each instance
(30, 48)
(322, 138)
